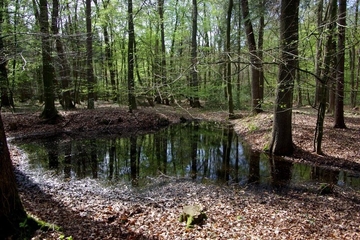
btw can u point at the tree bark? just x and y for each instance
(131, 42)
(228, 65)
(4, 81)
(12, 212)
(319, 13)
(89, 53)
(49, 111)
(329, 62)
(64, 72)
(254, 59)
(163, 48)
(340, 81)
(194, 81)
(281, 142)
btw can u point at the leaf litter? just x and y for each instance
(89, 209)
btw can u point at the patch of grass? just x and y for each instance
(253, 127)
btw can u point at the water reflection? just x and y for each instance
(201, 151)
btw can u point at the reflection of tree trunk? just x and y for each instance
(237, 158)
(52, 147)
(324, 175)
(133, 165)
(280, 172)
(194, 146)
(161, 151)
(112, 152)
(224, 173)
(254, 167)
(93, 156)
(67, 160)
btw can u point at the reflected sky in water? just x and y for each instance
(205, 152)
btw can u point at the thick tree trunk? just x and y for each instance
(49, 111)
(281, 142)
(4, 81)
(11, 209)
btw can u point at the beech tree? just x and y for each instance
(340, 75)
(255, 61)
(131, 59)
(12, 212)
(89, 59)
(326, 74)
(194, 81)
(281, 141)
(228, 72)
(48, 73)
(64, 70)
(4, 81)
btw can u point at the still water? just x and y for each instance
(204, 152)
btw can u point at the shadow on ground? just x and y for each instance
(44, 207)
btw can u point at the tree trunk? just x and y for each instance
(339, 96)
(12, 212)
(319, 12)
(163, 49)
(254, 59)
(49, 111)
(4, 81)
(194, 82)
(355, 57)
(228, 67)
(329, 62)
(281, 142)
(89, 53)
(64, 72)
(131, 81)
(260, 49)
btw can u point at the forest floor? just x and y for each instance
(85, 209)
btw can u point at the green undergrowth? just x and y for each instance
(31, 224)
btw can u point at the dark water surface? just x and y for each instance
(205, 152)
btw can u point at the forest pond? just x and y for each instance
(204, 152)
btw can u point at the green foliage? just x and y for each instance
(30, 224)
(63, 237)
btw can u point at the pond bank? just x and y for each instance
(88, 210)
